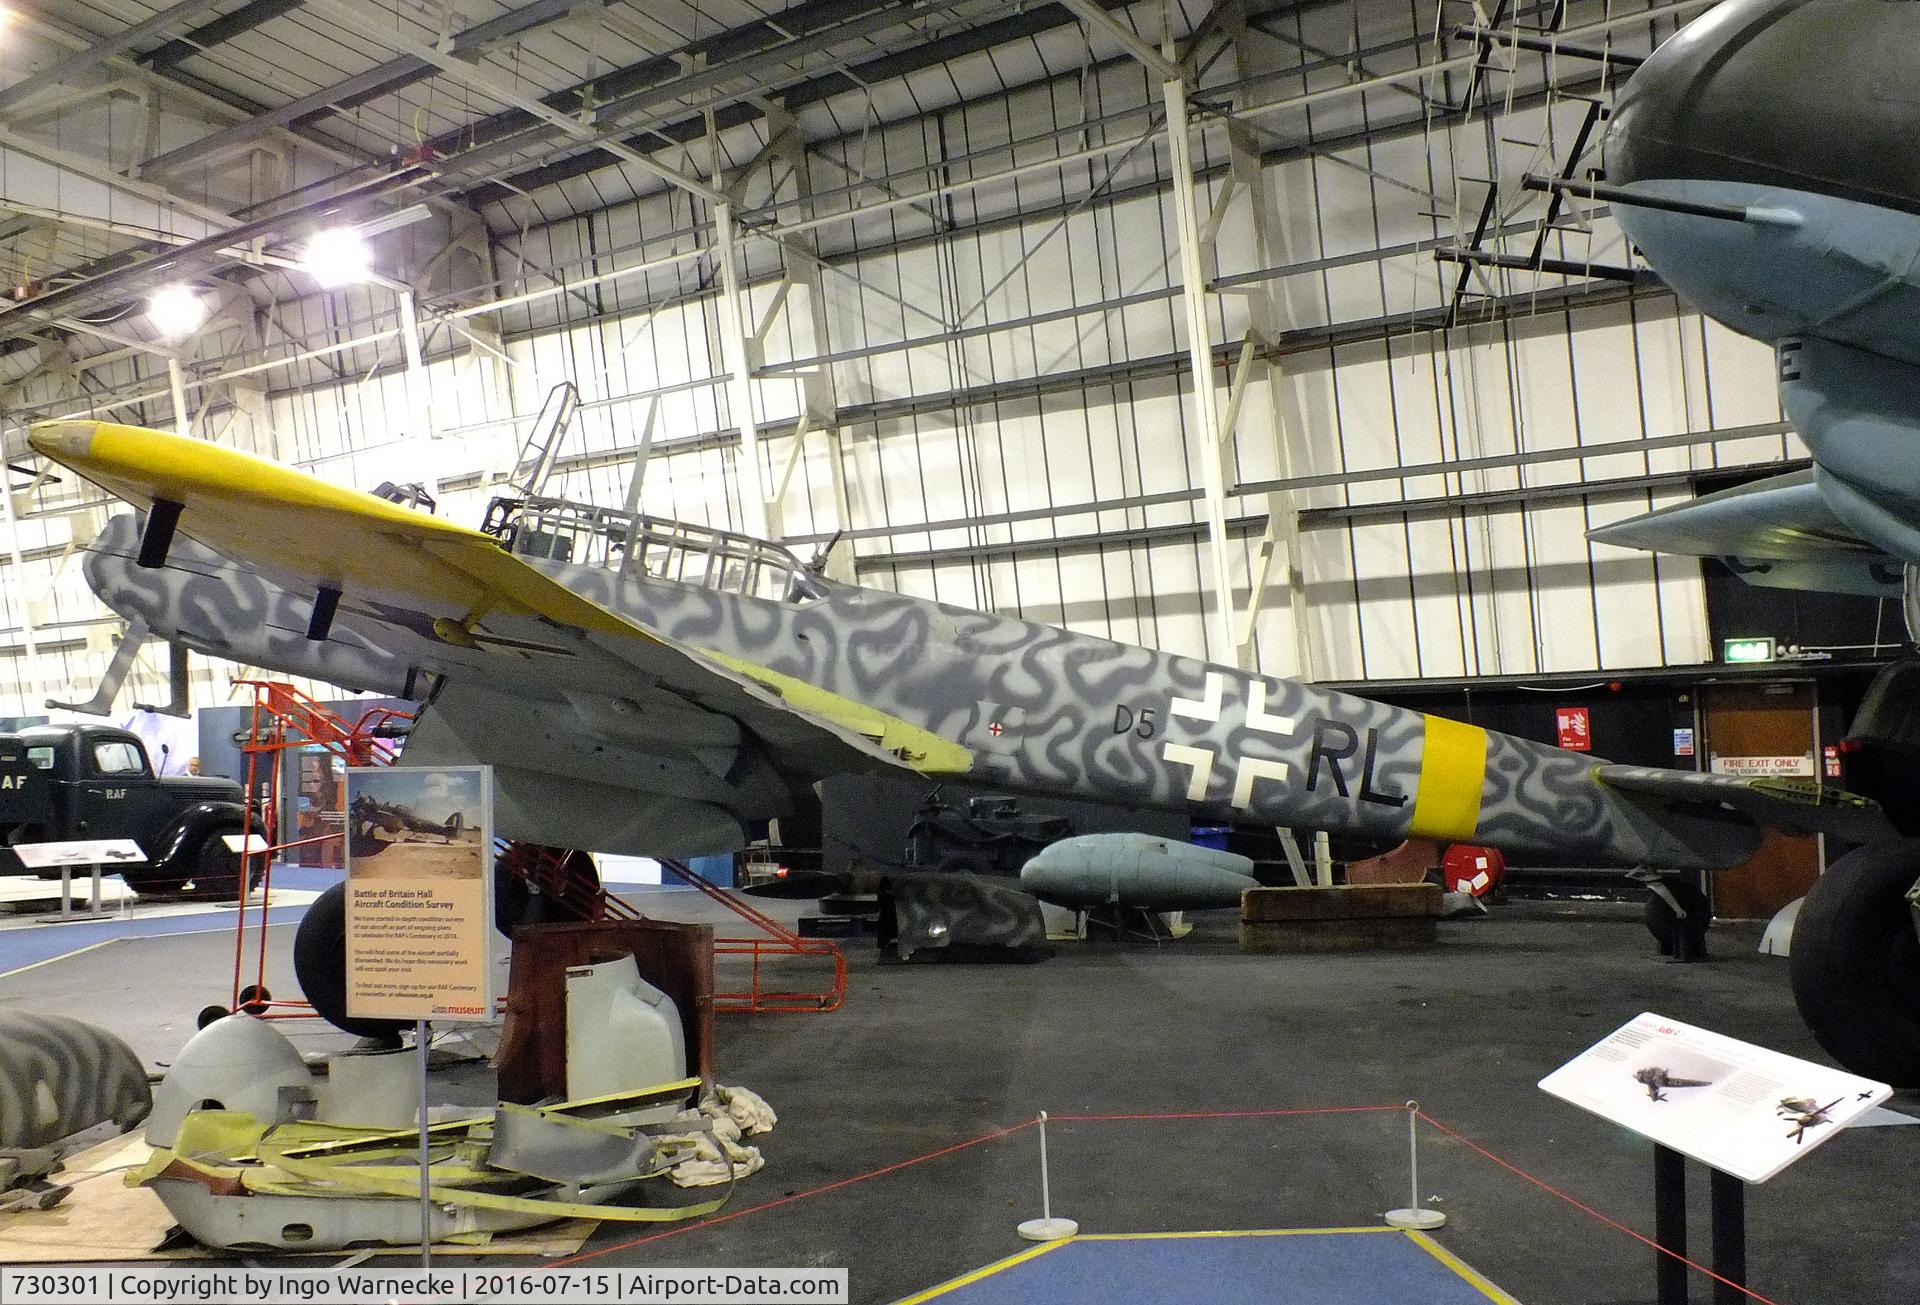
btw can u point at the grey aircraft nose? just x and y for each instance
(1809, 95)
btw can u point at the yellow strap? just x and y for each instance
(396, 1181)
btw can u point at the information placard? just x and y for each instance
(419, 892)
(99, 851)
(1740, 1108)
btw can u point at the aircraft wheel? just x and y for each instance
(1686, 939)
(320, 963)
(1856, 962)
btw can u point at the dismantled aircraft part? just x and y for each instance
(1137, 870)
(960, 917)
(989, 836)
(371, 1089)
(1856, 962)
(622, 1031)
(234, 1183)
(59, 1076)
(237, 1064)
(25, 1180)
(573, 1152)
(532, 1060)
(320, 963)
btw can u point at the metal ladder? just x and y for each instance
(542, 447)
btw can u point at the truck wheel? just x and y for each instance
(320, 963)
(216, 871)
(1856, 962)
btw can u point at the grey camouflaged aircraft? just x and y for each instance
(653, 688)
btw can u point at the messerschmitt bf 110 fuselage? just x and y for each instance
(1006, 703)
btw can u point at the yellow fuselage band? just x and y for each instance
(1453, 773)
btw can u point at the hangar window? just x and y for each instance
(117, 757)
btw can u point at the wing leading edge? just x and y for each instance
(563, 696)
(1778, 533)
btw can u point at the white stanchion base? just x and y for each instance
(1421, 1219)
(1047, 1230)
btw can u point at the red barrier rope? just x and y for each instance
(1161, 1116)
(796, 1196)
(1584, 1208)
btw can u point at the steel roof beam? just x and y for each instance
(100, 51)
(886, 67)
(383, 79)
(606, 114)
(218, 32)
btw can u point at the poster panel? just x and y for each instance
(419, 892)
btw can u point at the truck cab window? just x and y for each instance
(42, 758)
(117, 758)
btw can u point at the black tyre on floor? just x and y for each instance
(216, 869)
(320, 963)
(1856, 962)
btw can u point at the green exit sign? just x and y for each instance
(1748, 650)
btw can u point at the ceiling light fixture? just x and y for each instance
(338, 256)
(176, 311)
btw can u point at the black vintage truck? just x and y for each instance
(63, 782)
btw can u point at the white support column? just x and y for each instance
(177, 388)
(419, 399)
(1279, 545)
(30, 678)
(1206, 410)
(737, 358)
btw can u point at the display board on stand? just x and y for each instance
(419, 893)
(1743, 1109)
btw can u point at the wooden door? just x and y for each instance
(1751, 728)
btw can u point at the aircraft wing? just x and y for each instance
(1803, 806)
(1778, 533)
(586, 715)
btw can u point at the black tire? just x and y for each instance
(515, 903)
(320, 963)
(216, 871)
(208, 1014)
(1856, 962)
(253, 998)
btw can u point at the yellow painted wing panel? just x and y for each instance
(260, 512)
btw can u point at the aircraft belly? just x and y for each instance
(1847, 271)
(545, 735)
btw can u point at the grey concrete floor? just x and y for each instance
(923, 1057)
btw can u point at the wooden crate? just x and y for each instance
(1361, 917)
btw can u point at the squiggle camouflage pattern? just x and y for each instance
(1039, 709)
